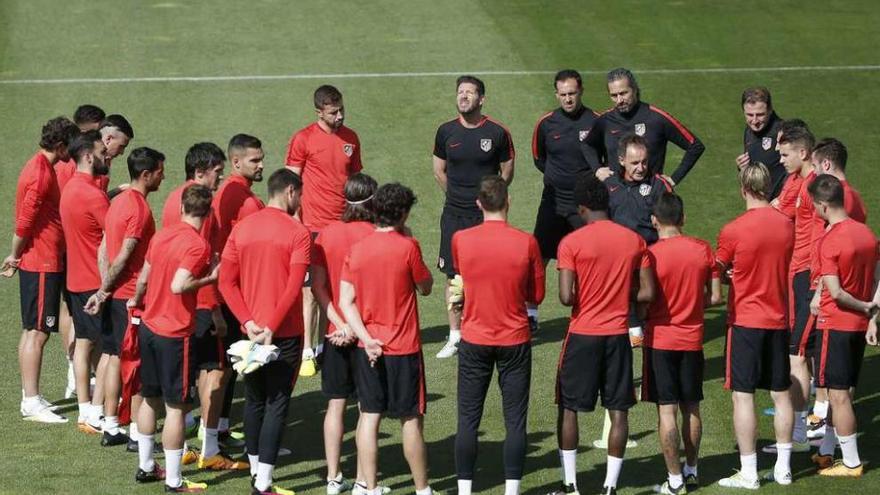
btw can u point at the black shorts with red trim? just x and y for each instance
(111, 341)
(166, 367)
(40, 294)
(394, 387)
(671, 377)
(337, 371)
(757, 358)
(800, 286)
(86, 326)
(551, 226)
(208, 350)
(839, 357)
(591, 366)
(450, 223)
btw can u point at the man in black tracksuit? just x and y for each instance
(557, 153)
(630, 115)
(760, 136)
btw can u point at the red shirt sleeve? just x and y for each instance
(565, 257)
(229, 283)
(195, 260)
(296, 151)
(419, 271)
(724, 253)
(829, 254)
(30, 207)
(356, 165)
(645, 261)
(346, 271)
(537, 278)
(299, 263)
(136, 223)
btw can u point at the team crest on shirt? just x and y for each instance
(50, 321)
(486, 145)
(582, 135)
(640, 129)
(645, 189)
(348, 149)
(767, 143)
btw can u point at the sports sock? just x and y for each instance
(850, 449)
(308, 354)
(454, 335)
(569, 467)
(829, 442)
(749, 466)
(424, 491)
(253, 460)
(820, 408)
(133, 432)
(264, 476)
(464, 487)
(172, 467)
(799, 434)
(111, 425)
(675, 480)
(532, 313)
(223, 425)
(145, 452)
(688, 469)
(85, 411)
(95, 413)
(612, 471)
(319, 349)
(783, 458)
(511, 487)
(210, 447)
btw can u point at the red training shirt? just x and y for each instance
(384, 269)
(605, 257)
(803, 227)
(502, 270)
(758, 244)
(684, 265)
(849, 250)
(83, 208)
(331, 247)
(179, 246)
(263, 268)
(129, 217)
(171, 215)
(855, 209)
(327, 159)
(786, 202)
(234, 201)
(64, 172)
(37, 219)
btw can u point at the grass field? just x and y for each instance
(396, 116)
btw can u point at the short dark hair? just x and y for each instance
(754, 178)
(281, 179)
(628, 140)
(476, 81)
(241, 142)
(392, 203)
(827, 189)
(795, 123)
(119, 122)
(591, 193)
(142, 160)
(669, 209)
(622, 73)
(196, 201)
(359, 191)
(327, 95)
(493, 193)
(798, 136)
(201, 157)
(58, 131)
(757, 94)
(567, 74)
(83, 145)
(88, 114)
(833, 150)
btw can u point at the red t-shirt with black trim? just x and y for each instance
(803, 226)
(65, 170)
(855, 209)
(384, 269)
(37, 219)
(502, 270)
(129, 217)
(848, 250)
(605, 258)
(177, 247)
(83, 209)
(758, 244)
(327, 160)
(786, 202)
(233, 202)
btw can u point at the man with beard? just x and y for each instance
(325, 154)
(631, 115)
(466, 149)
(83, 208)
(760, 138)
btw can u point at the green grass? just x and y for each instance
(396, 119)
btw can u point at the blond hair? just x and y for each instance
(755, 180)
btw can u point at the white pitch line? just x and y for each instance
(377, 75)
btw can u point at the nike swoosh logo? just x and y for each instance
(455, 145)
(556, 136)
(612, 189)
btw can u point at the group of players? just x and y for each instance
(329, 258)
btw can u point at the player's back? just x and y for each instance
(333, 244)
(849, 249)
